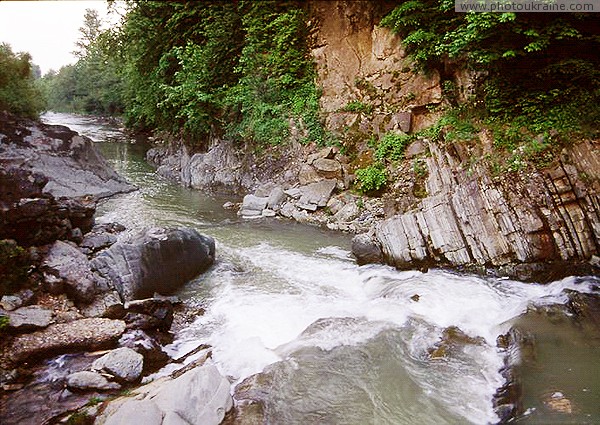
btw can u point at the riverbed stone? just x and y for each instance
(276, 198)
(10, 302)
(157, 260)
(83, 334)
(123, 363)
(253, 205)
(329, 168)
(366, 250)
(88, 380)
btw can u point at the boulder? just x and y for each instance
(366, 250)
(123, 363)
(147, 346)
(83, 334)
(200, 396)
(28, 318)
(86, 380)
(329, 168)
(72, 267)
(316, 194)
(276, 198)
(10, 302)
(253, 205)
(106, 305)
(157, 260)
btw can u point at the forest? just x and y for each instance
(243, 71)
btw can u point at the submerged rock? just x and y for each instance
(155, 261)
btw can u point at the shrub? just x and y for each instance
(371, 179)
(14, 266)
(392, 146)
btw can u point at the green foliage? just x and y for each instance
(371, 179)
(14, 266)
(18, 92)
(358, 107)
(540, 69)
(392, 146)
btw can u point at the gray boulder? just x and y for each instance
(316, 195)
(155, 261)
(366, 250)
(276, 198)
(86, 380)
(123, 363)
(253, 205)
(200, 396)
(72, 267)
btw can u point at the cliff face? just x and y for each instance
(471, 218)
(360, 63)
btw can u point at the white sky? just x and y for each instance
(47, 30)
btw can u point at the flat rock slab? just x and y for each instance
(31, 317)
(200, 396)
(84, 334)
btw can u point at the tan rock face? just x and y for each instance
(358, 61)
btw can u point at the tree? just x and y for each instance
(18, 93)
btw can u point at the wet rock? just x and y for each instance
(72, 267)
(268, 213)
(86, 380)
(30, 318)
(123, 363)
(199, 396)
(84, 334)
(94, 242)
(253, 205)
(586, 308)
(150, 313)
(148, 347)
(157, 260)
(366, 250)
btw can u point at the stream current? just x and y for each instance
(348, 344)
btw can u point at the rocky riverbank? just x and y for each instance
(92, 295)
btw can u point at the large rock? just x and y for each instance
(70, 265)
(316, 194)
(201, 396)
(71, 164)
(366, 250)
(84, 334)
(253, 205)
(123, 363)
(539, 219)
(157, 260)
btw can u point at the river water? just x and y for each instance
(346, 344)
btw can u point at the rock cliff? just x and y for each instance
(531, 220)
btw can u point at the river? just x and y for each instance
(345, 344)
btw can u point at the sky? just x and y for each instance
(47, 30)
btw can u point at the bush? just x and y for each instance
(371, 179)
(392, 146)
